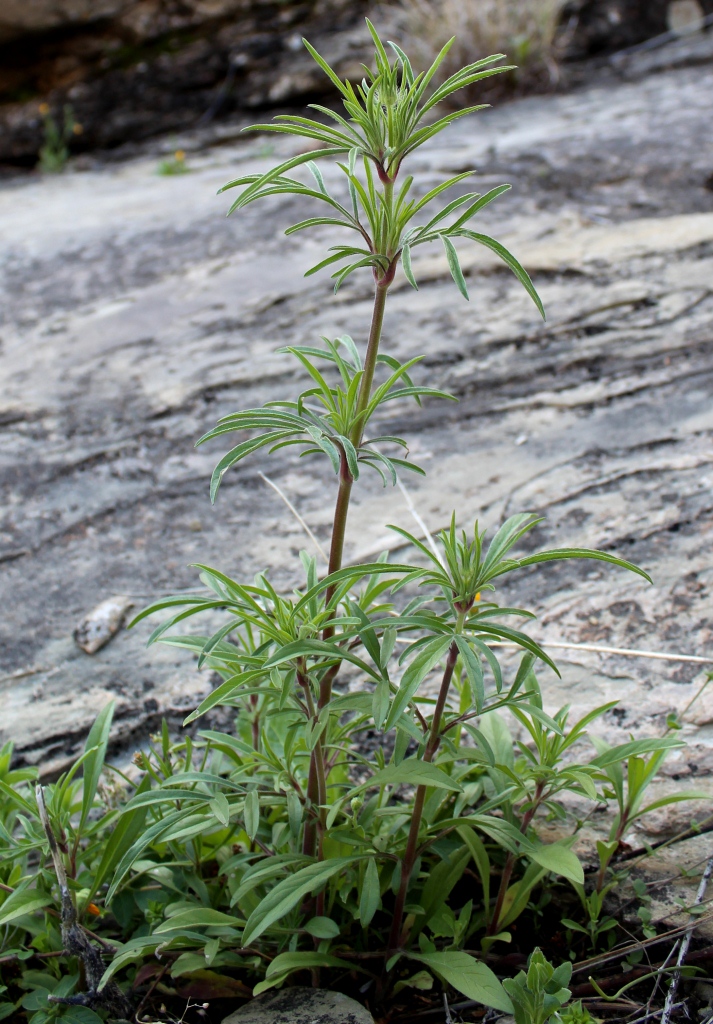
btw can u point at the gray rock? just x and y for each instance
(301, 1006)
(102, 623)
(19, 18)
(220, 63)
(126, 333)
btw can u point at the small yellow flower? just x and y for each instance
(77, 128)
(179, 155)
(477, 596)
(44, 109)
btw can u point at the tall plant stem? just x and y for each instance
(317, 783)
(346, 481)
(494, 925)
(407, 864)
(372, 351)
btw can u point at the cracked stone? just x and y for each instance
(301, 1006)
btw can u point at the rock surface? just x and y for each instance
(133, 69)
(301, 1006)
(18, 18)
(134, 314)
(596, 26)
(102, 623)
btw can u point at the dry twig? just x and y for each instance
(296, 514)
(75, 941)
(685, 943)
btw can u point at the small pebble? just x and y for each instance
(102, 623)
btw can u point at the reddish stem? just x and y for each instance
(396, 939)
(527, 817)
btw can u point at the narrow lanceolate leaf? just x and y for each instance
(299, 960)
(224, 692)
(474, 671)
(317, 648)
(600, 556)
(285, 964)
(635, 748)
(221, 808)
(478, 205)
(200, 917)
(134, 949)
(238, 453)
(256, 183)
(370, 894)
(454, 265)
(419, 668)
(294, 813)
(408, 270)
(322, 928)
(143, 840)
(507, 536)
(123, 835)
(507, 257)
(252, 813)
(21, 902)
(289, 892)
(94, 762)
(380, 702)
(467, 975)
(412, 772)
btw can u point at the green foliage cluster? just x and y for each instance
(538, 994)
(173, 165)
(58, 133)
(284, 845)
(208, 847)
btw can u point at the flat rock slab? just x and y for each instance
(301, 1006)
(133, 315)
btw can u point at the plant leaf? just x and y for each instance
(418, 669)
(98, 737)
(221, 808)
(252, 813)
(600, 556)
(370, 894)
(474, 979)
(508, 258)
(635, 749)
(454, 265)
(322, 928)
(21, 902)
(412, 772)
(558, 858)
(406, 263)
(200, 917)
(288, 893)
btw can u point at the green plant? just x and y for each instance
(83, 854)
(539, 993)
(595, 926)
(175, 164)
(285, 846)
(630, 776)
(577, 1014)
(282, 656)
(54, 152)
